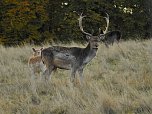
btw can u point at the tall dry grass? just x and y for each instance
(117, 81)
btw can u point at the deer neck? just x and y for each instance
(90, 53)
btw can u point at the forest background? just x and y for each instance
(43, 21)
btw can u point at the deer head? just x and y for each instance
(37, 52)
(94, 40)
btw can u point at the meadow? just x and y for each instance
(117, 81)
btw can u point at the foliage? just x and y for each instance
(39, 21)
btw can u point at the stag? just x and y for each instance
(73, 58)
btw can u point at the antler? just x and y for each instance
(81, 28)
(80, 24)
(107, 21)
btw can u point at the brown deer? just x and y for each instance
(74, 58)
(35, 63)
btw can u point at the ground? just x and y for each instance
(117, 81)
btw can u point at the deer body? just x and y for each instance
(35, 64)
(64, 57)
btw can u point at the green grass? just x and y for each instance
(117, 81)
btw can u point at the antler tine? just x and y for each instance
(79, 14)
(99, 30)
(80, 24)
(76, 13)
(107, 21)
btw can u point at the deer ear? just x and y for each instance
(41, 49)
(102, 37)
(34, 49)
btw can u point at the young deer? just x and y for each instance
(73, 58)
(35, 63)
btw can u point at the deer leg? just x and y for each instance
(80, 71)
(32, 80)
(47, 73)
(73, 72)
(42, 68)
(32, 71)
(50, 71)
(106, 44)
(47, 61)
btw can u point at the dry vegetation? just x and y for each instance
(116, 82)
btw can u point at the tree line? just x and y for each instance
(41, 21)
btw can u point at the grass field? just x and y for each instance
(117, 81)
